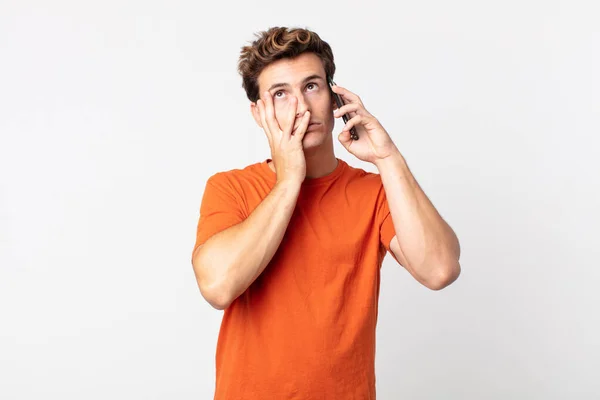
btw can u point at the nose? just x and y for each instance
(302, 106)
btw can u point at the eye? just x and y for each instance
(278, 92)
(311, 84)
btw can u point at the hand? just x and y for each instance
(287, 151)
(374, 143)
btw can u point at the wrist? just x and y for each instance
(394, 158)
(289, 184)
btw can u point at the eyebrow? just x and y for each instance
(308, 78)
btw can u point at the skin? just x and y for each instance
(312, 96)
(424, 243)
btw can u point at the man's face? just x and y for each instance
(302, 77)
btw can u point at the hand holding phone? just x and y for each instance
(340, 103)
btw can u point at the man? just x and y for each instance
(291, 247)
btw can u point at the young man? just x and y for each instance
(291, 247)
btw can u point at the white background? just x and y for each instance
(113, 114)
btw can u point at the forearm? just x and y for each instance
(428, 243)
(228, 263)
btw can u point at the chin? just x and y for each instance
(312, 139)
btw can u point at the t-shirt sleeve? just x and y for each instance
(221, 208)
(384, 218)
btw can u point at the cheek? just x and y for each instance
(281, 105)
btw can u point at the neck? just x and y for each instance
(318, 165)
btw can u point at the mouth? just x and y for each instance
(311, 125)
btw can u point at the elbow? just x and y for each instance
(444, 275)
(218, 303)
(212, 289)
(215, 295)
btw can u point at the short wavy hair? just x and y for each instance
(277, 43)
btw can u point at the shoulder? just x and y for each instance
(235, 175)
(239, 181)
(365, 188)
(359, 177)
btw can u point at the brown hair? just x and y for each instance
(277, 43)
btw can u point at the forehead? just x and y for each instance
(291, 70)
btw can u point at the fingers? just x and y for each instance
(347, 95)
(261, 111)
(301, 129)
(350, 99)
(280, 125)
(287, 121)
(270, 115)
(351, 109)
(345, 138)
(353, 122)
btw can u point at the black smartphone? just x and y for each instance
(340, 103)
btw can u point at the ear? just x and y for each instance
(331, 95)
(255, 113)
(333, 103)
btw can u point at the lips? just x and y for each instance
(310, 124)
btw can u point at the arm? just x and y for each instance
(227, 263)
(424, 243)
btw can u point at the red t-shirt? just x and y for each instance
(305, 328)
